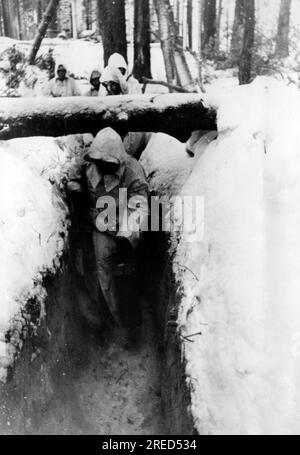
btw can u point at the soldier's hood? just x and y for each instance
(114, 74)
(117, 61)
(111, 74)
(107, 146)
(62, 65)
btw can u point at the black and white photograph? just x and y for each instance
(149, 220)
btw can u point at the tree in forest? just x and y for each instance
(218, 27)
(7, 24)
(199, 56)
(209, 25)
(40, 7)
(177, 69)
(142, 38)
(10, 16)
(236, 44)
(19, 9)
(51, 9)
(246, 57)
(88, 13)
(28, 15)
(112, 23)
(167, 32)
(190, 23)
(283, 30)
(1, 21)
(40, 11)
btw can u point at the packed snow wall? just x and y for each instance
(239, 315)
(168, 164)
(34, 230)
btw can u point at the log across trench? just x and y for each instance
(175, 114)
(68, 381)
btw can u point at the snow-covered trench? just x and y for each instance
(225, 298)
(237, 277)
(59, 373)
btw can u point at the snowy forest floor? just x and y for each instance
(91, 57)
(215, 75)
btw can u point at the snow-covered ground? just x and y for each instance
(240, 279)
(33, 226)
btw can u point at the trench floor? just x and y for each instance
(108, 389)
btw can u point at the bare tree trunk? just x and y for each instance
(238, 30)
(40, 11)
(7, 28)
(245, 63)
(209, 24)
(218, 33)
(111, 15)
(167, 34)
(190, 23)
(142, 37)
(227, 30)
(52, 6)
(283, 30)
(184, 23)
(175, 61)
(196, 50)
(88, 8)
(74, 20)
(9, 17)
(196, 27)
(184, 75)
(200, 12)
(1, 20)
(19, 9)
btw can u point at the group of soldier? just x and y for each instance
(114, 80)
(107, 169)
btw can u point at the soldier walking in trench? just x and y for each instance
(108, 172)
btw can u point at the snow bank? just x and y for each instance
(33, 227)
(166, 163)
(169, 162)
(240, 279)
(244, 371)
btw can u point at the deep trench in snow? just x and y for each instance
(68, 381)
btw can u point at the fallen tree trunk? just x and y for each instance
(177, 115)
